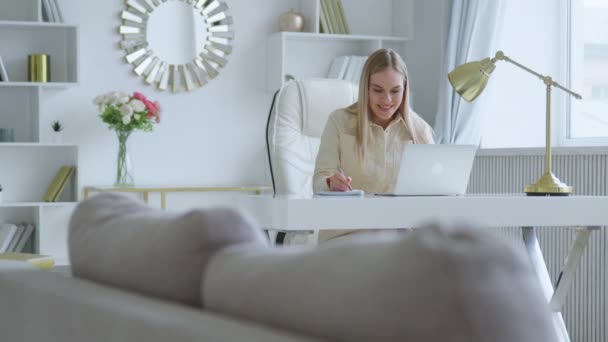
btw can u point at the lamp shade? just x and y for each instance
(470, 79)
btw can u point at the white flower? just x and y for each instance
(126, 120)
(98, 100)
(137, 116)
(137, 105)
(122, 97)
(125, 110)
(106, 99)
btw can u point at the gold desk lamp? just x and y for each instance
(470, 79)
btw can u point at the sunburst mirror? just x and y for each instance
(176, 44)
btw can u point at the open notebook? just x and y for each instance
(352, 193)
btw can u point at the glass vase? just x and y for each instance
(124, 167)
(56, 138)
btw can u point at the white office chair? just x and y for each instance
(295, 123)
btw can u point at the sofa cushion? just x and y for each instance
(119, 241)
(39, 305)
(430, 285)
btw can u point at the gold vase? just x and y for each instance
(39, 67)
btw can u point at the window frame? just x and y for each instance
(571, 9)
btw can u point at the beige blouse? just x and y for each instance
(383, 157)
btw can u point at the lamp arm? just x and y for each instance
(547, 79)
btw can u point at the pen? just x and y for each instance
(343, 175)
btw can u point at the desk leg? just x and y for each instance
(146, 197)
(572, 261)
(272, 236)
(539, 266)
(163, 200)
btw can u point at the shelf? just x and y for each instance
(58, 40)
(38, 84)
(327, 36)
(28, 170)
(35, 204)
(309, 55)
(372, 25)
(376, 18)
(34, 24)
(31, 162)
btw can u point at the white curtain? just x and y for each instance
(471, 36)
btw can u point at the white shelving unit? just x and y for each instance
(20, 38)
(30, 163)
(373, 25)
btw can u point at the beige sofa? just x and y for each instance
(209, 275)
(37, 305)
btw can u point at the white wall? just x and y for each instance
(213, 135)
(210, 136)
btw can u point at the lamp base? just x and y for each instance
(548, 185)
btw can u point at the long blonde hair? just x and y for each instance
(379, 61)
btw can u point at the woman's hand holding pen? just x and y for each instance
(339, 182)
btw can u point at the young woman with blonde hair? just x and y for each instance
(366, 139)
(362, 144)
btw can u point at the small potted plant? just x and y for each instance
(57, 128)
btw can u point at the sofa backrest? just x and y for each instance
(41, 305)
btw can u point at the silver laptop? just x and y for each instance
(434, 170)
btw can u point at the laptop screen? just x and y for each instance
(435, 169)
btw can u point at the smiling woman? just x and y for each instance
(367, 138)
(362, 144)
(175, 44)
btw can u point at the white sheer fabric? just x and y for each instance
(471, 36)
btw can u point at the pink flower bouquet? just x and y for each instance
(123, 112)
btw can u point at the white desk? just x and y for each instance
(296, 213)
(583, 213)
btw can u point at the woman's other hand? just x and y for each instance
(339, 182)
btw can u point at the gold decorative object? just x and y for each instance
(39, 67)
(206, 58)
(470, 79)
(291, 22)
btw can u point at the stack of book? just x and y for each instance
(332, 18)
(51, 12)
(347, 68)
(14, 237)
(58, 183)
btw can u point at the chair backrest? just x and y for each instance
(295, 124)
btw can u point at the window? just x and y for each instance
(588, 118)
(513, 105)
